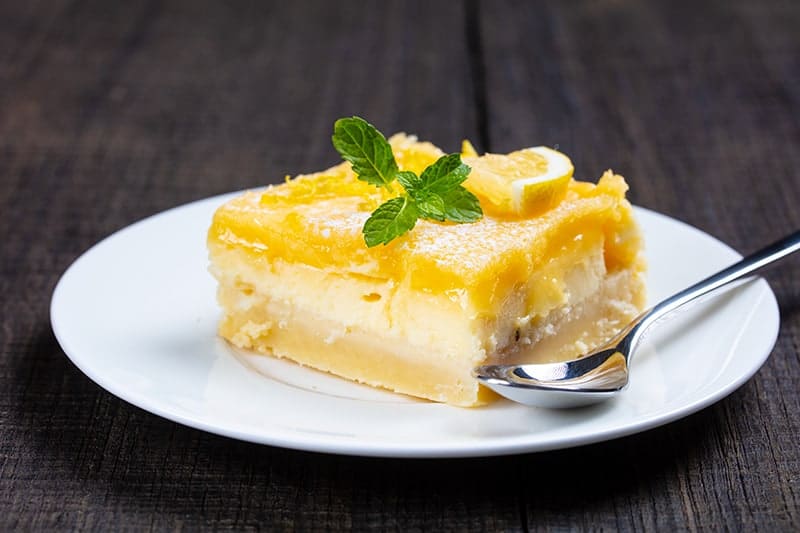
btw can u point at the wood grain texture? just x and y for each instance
(110, 113)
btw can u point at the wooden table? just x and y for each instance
(113, 111)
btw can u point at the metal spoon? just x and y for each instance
(603, 373)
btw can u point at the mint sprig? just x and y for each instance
(436, 194)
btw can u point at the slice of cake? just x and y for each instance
(297, 281)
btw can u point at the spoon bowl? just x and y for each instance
(560, 384)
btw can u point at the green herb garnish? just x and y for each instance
(436, 194)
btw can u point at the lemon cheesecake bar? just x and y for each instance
(297, 281)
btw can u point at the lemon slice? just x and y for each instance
(526, 182)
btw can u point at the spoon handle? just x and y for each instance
(745, 267)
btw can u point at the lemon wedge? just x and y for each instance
(525, 183)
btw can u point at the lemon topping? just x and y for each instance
(316, 220)
(523, 183)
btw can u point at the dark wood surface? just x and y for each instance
(113, 111)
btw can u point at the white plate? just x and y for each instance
(137, 314)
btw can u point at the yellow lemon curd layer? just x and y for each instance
(491, 286)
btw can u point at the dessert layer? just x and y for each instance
(386, 334)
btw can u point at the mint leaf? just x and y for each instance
(392, 219)
(409, 180)
(430, 205)
(461, 206)
(439, 186)
(360, 143)
(446, 173)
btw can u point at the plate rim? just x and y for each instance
(485, 447)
